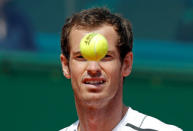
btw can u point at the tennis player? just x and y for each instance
(98, 85)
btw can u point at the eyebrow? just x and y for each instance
(111, 52)
(78, 52)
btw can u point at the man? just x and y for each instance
(98, 85)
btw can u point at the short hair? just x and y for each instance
(96, 17)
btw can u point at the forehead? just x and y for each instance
(107, 31)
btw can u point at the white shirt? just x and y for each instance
(135, 121)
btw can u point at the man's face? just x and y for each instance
(96, 82)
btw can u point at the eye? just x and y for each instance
(80, 58)
(107, 57)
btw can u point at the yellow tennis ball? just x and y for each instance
(93, 46)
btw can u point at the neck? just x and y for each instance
(97, 118)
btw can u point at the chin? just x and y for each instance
(95, 100)
(94, 104)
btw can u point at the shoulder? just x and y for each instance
(140, 121)
(72, 127)
(154, 123)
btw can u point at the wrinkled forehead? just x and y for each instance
(92, 27)
(78, 32)
(107, 31)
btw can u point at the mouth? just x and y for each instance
(94, 81)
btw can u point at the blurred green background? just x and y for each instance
(35, 96)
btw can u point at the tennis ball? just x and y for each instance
(93, 46)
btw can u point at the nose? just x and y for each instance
(93, 69)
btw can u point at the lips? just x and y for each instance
(94, 81)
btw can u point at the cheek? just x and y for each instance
(115, 77)
(113, 71)
(76, 71)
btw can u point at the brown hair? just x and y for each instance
(95, 17)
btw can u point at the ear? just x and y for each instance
(65, 66)
(127, 64)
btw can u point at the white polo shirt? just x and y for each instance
(135, 121)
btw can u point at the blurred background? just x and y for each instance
(34, 95)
